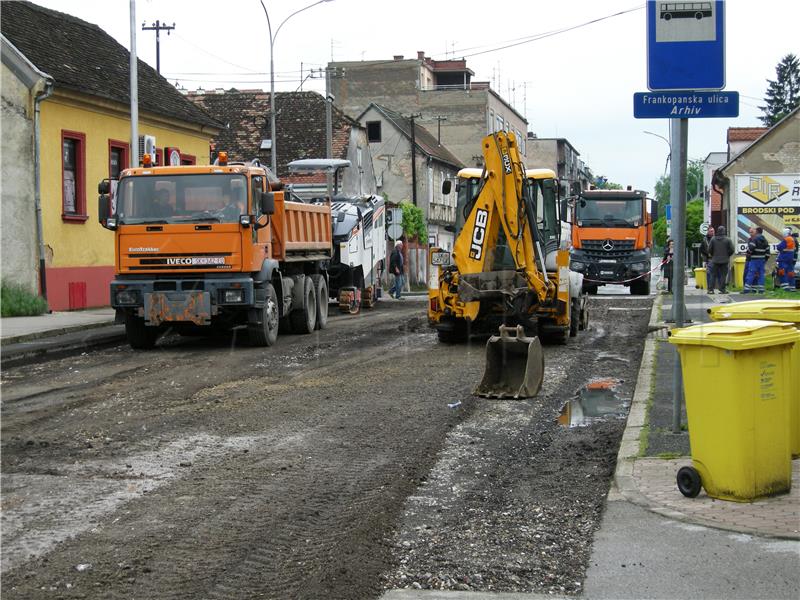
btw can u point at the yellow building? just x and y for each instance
(85, 132)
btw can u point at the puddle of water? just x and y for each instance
(598, 401)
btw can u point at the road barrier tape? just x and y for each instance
(661, 264)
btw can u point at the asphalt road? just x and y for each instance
(333, 465)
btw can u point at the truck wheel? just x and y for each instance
(640, 287)
(321, 290)
(304, 319)
(265, 332)
(140, 336)
(574, 317)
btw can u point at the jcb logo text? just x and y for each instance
(478, 234)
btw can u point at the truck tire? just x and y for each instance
(304, 318)
(574, 317)
(640, 287)
(265, 332)
(321, 291)
(140, 336)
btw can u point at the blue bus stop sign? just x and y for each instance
(685, 45)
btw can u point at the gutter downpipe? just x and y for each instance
(37, 175)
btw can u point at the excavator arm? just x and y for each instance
(497, 252)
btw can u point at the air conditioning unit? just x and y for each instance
(147, 145)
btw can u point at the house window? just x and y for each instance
(73, 176)
(500, 123)
(373, 131)
(117, 158)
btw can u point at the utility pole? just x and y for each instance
(330, 73)
(158, 27)
(414, 159)
(133, 66)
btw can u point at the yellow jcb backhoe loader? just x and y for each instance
(507, 269)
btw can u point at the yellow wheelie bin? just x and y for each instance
(785, 311)
(736, 378)
(738, 271)
(700, 278)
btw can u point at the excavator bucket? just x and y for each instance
(514, 365)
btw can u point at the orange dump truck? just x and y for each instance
(204, 248)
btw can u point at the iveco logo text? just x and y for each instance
(608, 245)
(478, 234)
(143, 249)
(506, 163)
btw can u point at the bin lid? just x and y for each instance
(737, 334)
(740, 259)
(787, 311)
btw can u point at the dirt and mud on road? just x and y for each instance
(335, 465)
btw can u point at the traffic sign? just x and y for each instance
(668, 212)
(685, 105)
(685, 45)
(703, 228)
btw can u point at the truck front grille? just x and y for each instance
(619, 249)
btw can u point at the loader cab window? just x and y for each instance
(542, 194)
(467, 191)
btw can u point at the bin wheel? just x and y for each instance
(689, 481)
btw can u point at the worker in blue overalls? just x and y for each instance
(757, 254)
(786, 249)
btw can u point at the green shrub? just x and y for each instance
(16, 301)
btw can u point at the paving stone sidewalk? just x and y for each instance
(649, 480)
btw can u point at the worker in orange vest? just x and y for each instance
(786, 252)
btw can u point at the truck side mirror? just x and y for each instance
(447, 185)
(104, 212)
(104, 187)
(267, 203)
(565, 210)
(654, 211)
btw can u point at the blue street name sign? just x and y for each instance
(685, 105)
(685, 45)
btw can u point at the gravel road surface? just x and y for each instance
(334, 465)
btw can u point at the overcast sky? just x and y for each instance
(576, 84)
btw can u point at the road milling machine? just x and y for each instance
(507, 270)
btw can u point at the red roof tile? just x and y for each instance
(745, 134)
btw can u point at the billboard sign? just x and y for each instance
(768, 201)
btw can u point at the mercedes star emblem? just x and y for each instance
(608, 245)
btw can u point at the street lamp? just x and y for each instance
(668, 144)
(274, 150)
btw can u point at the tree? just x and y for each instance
(783, 93)
(694, 217)
(414, 227)
(694, 186)
(602, 183)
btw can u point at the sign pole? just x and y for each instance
(679, 129)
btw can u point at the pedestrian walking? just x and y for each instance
(786, 259)
(757, 254)
(720, 249)
(396, 268)
(666, 265)
(705, 256)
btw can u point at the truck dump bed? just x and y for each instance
(300, 231)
